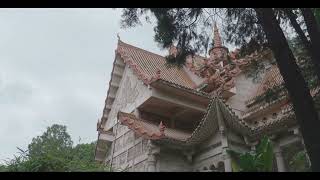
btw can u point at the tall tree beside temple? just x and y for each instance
(299, 92)
(186, 26)
(309, 26)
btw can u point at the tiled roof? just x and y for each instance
(286, 118)
(271, 80)
(151, 65)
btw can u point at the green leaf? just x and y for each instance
(247, 162)
(235, 166)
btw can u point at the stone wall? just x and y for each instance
(172, 161)
(131, 93)
(245, 88)
(208, 153)
(130, 152)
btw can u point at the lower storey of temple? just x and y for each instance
(131, 152)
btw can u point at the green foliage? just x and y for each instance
(299, 162)
(270, 95)
(53, 151)
(184, 27)
(255, 71)
(296, 156)
(304, 62)
(260, 160)
(317, 14)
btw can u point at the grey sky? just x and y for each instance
(55, 66)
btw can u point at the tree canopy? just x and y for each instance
(53, 151)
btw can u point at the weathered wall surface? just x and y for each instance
(172, 161)
(245, 89)
(131, 93)
(236, 142)
(127, 150)
(130, 152)
(208, 153)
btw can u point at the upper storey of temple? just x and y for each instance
(200, 79)
(186, 100)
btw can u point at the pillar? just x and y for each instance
(151, 163)
(279, 159)
(153, 151)
(227, 161)
(225, 156)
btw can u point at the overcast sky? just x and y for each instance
(55, 66)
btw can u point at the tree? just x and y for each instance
(83, 159)
(53, 151)
(314, 34)
(260, 160)
(303, 38)
(299, 92)
(304, 62)
(317, 14)
(181, 25)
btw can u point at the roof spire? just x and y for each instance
(216, 36)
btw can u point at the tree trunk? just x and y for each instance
(299, 93)
(293, 20)
(314, 34)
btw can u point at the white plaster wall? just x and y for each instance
(212, 140)
(245, 89)
(173, 161)
(209, 149)
(235, 137)
(131, 93)
(138, 159)
(200, 165)
(196, 79)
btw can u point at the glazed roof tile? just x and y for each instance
(149, 64)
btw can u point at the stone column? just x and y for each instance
(225, 156)
(227, 161)
(153, 150)
(279, 158)
(151, 163)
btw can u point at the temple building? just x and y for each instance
(158, 118)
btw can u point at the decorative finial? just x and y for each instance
(118, 36)
(216, 36)
(162, 128)
(173, 50)
(158, 72)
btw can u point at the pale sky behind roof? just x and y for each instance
(55, 67)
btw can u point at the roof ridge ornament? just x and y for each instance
(162, 127)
